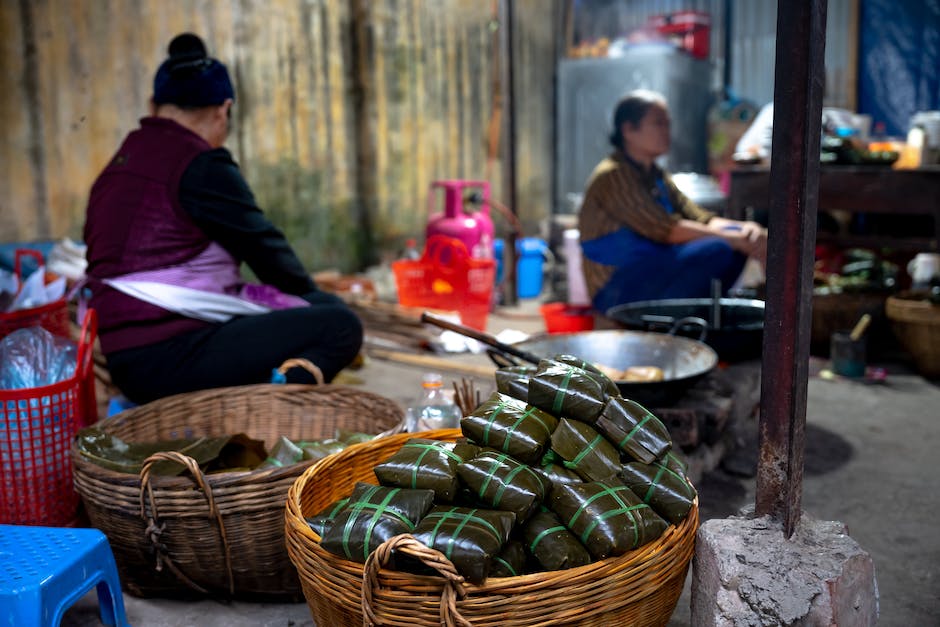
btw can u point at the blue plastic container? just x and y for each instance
(530, 255)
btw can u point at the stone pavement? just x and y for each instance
(869, 464)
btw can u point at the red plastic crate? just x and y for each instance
(53, 317)
(448, 278)
(37, 426)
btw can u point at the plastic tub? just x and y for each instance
(565, 318)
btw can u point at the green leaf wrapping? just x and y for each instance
(557, 473)
(514, 381)
(318, 449)
(550, 542)
(609, 386)
(585, 451)
(662, 485)
(283, 453)
(511, 426)
(426, 464)
(499, 481)
(470, 538)
(606, 516)
(323, 520)
(634, 430)
(373, 515)
(564, 390)
(510, 562)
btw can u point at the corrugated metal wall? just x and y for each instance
(341, 120)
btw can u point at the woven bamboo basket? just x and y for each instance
(916, 323)
(219, 534)
(638, 588)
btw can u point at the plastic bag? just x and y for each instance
(33, 357)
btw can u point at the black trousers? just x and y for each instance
(242, 351)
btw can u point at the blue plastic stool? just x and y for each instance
(45, 570)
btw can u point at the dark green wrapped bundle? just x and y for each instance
(609, 386)
(514, 381)
(634, 429)
(564, 390)
(323, 520)
(510, 562)
(501, 482)
(373, 515)
(585, 451)
(509, 425)
(550, 542)
(426, 464)
(606, 516)
(470, 538)
(557, 473)
(661, 485)
(318, 449)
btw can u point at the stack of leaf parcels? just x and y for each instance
(556, 470)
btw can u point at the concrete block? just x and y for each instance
(747, 574)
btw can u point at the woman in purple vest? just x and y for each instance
(169, 222)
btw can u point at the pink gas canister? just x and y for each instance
(466, 215)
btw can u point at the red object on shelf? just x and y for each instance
(565, 318)
(691, 30)
(446, 277)
(37, 426)
(53, 317)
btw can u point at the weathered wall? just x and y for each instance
(346, 109)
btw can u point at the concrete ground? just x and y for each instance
(870, 450)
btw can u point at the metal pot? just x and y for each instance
(682, 360)
(734, 327)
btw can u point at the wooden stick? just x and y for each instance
(860, 327)
(428, 361)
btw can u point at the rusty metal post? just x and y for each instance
(794, 189)
(510, 187)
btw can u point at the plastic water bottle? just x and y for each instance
(435, 409)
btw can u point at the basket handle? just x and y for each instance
(406, 543)
(154, 529)
(445, 251)
(306, 364)
(18, 259)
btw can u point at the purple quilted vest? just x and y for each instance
(134, 222)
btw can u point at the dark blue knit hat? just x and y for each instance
(189, 77)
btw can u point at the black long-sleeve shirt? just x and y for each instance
(217, 197)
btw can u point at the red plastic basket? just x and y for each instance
(54, 317)
(37, 426)
(447, 277)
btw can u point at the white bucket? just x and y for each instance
(577, 288)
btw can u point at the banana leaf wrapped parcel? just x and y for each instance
(553, 472)
(323, 520)
(514, 381)
(427, 464)
(510, 425)
(499, 481)
(662, 485)
(609, 386)
(606, 516)
(470, 538)
(585, 451)
(634, 429)
(511, 561)
(373, 515)
(566, 391)
(550, 542)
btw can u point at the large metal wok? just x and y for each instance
(734, 327)
(683, 361)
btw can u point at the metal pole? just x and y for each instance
(794, 190)
(507, 27)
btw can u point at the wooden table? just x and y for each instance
(856, 189)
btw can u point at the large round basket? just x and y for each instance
(638, 588)
(916, 323)
(219, 534)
